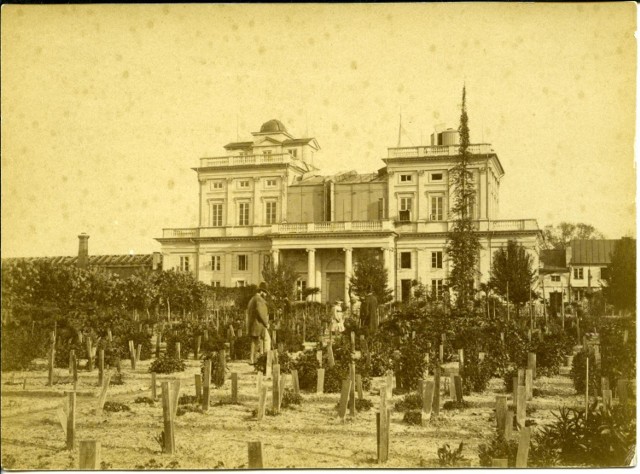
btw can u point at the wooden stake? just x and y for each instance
(154, 394)
(457, 380)
(436, 393)
(158, 339)
(331, 361)
(521, 377)
(452, 388)
(344, 398)
(427, 401)
(100, 367)
(606, 399)
(623, 397)
(262, 401)
(501, 412)
(269, 364)
(586, 391)
(89, 357)
(441, 353)
(71, 421)
(178, 354)
(169, 443)
(234, 387)
(206, 385)
(531, 363)
(481, 356)
(255, 455)
(319, 357)
(514, 387)
(604, 384)
(353, 341)
(460, 359)
(103, 393)
(508, 425)
(276, 388)
(138, 352)
(52, 360)
(197, 349)
(320, 386)
(175, 397)
(109, 335)
(352, 388)
(382, 429)
(89, 455)
(528, 383)
(523, 447)
(294, 382)
(521, 406)
(389, 384)
(198, 386)
(62, 418)
(359, 386)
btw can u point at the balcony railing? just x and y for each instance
(508, 225)
(439, 150)
(252, 160)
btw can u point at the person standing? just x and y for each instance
(259, 321)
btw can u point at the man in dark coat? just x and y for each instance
(370, 308)
(259, 321)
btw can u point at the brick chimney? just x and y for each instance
(83, 251)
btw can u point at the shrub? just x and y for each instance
(284, 360)
(241, 348)
(413, 417)
(115, 407)
(362, 404)
(550, 352)
(618, 359)
(579, 372)
(145, 400)
(289, 398)
(409, 366)
(449, 457)
(498, 448)
(217, 372)
(475, 375)
(187, 400)
(455, 405)
(182, 409)
(411, 401)
(167, 365)
(20, 347)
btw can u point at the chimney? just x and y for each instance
(83, 251)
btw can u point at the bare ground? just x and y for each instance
(309, 435)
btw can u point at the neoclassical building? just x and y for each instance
(264, 200)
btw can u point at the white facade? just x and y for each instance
(265, 201)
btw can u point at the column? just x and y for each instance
(311, 271)
(389, 264)
(229, 218)
(275, 257)
(283, 198)
(348, 271)
(257, 205)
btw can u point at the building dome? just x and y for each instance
(272, 126)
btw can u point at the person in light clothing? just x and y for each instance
(337, 324)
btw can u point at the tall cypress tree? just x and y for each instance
(463, 244)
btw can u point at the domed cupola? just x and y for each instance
(273, 126)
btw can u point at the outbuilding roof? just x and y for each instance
(592, 252)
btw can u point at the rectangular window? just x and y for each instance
(406, 205)
(266, 262)
(604, 273)
(436, 288)
(435, 177)
(216, 283)
(578, 273)
(216, 185)
(243, 263)
(243, 213)
(436, 259)
(293, 153)
(271, 209)
(437, 208)
(241, 283)
(184, 264)
(555, 278)
(405, 259)
(216, 215)
(270, 183)
(266, 152)
(406, 178)
(216, 263)
(243, 153)
(381, 210)
(301, 286)
(243, 184)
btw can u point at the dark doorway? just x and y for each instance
(405, 290)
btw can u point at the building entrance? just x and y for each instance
(335, 287)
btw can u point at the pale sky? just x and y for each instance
(106, 108)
